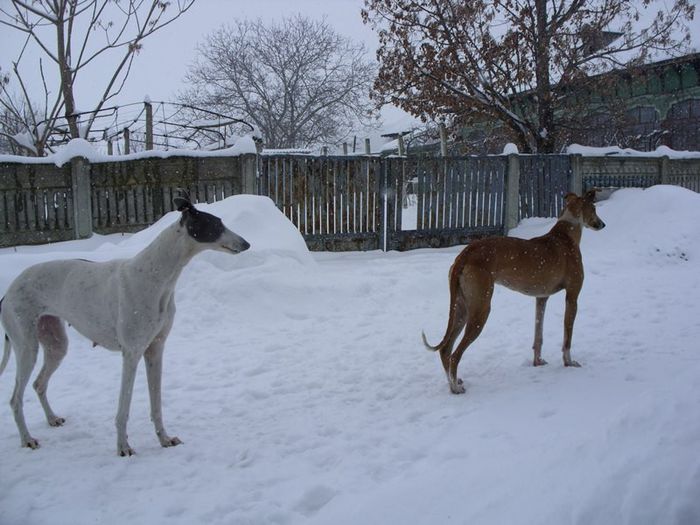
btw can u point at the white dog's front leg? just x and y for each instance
(130, 361)
(154, 370)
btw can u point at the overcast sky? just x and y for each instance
(160, 67)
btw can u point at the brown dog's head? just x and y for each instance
(583, 210)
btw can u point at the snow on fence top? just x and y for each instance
(661, 151)
(83, 148)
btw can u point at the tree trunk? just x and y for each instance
(544, 138)
(64, 64)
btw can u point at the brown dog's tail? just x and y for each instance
(456, 306)
(428, 345)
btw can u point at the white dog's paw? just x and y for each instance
(170, 442)
(30, 443)
(56, 421)
(125, 451)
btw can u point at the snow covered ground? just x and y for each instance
(303, 394)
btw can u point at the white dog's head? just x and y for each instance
(208, 229)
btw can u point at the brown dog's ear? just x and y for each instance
(570, 197)
(590, 194)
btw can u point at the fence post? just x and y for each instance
(512, 203)
(149, 125)
(387, 206)
(576, 182)
(663, 170)
(82, 207)
(368, 148)
(249, 169)
(402, 147)
(127, 142)
(443, 139)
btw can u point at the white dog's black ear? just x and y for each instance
(182, 204)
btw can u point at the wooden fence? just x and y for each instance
(42, 203)
(446, 201)
(640, 172)
(544, 180)
(358, 203)
(129, 196)
(36, 204)
(338, 203)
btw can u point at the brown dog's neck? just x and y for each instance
(566, 227)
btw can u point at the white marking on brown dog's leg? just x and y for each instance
(540, 306)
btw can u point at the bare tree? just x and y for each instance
(519, 63)
(72, 35)
(298, 81)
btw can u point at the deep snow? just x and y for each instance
(303, 394)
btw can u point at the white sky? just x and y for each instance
(160, 67)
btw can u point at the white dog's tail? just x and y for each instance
(5, 355)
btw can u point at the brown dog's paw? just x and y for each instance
(457, 388)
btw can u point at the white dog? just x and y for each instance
(125, 305)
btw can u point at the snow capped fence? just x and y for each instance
(41, 202)
(338, 203)
(36, 203)
(640, 172)
(128, 196)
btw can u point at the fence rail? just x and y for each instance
(337, 203)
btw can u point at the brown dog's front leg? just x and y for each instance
(540, 305)
(569, 317)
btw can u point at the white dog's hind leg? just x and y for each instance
(26, 350)
(130, 361)
(52, 336)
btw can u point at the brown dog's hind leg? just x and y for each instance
(478, 289)
(458, 318)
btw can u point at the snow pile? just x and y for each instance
(510, 149)
(644, 215)
(303, 393)
(270, 234)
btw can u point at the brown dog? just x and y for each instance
(538, 267)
